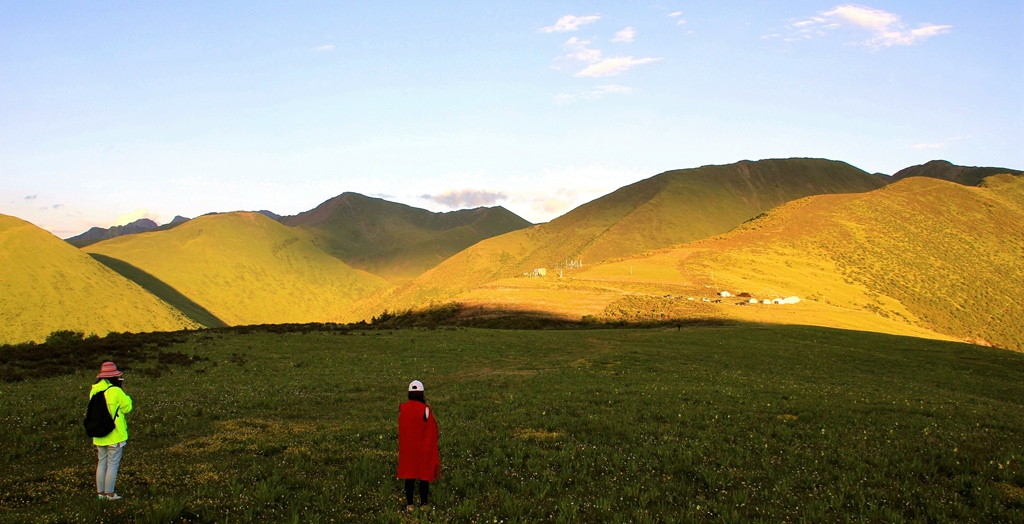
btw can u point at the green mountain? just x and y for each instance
(49, 285)
(668, 209)
(240, 268)
(943, 170)
(394, 240)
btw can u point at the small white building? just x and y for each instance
(724, 294)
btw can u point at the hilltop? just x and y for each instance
(240, 268)
(396, 241)
(668, 209)
(922, 251)
(47, 285)
(943, 170)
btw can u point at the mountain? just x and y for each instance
(48, 285)
(924, 251)
(97, 234)
(920, 257)
(943, 170)
(175, 222)
(668, 209)
(396, 241)
(241, 268)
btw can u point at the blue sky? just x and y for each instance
(118, 110)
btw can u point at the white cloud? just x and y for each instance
(614, 66)
(625, 36)
(463, 198)
(885, 28)
(577, 49)
(594, 94)
(675, 14)
(325, 47)
(570, 23)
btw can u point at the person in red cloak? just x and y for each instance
(418, 456)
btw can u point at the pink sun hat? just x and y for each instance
(109, 370)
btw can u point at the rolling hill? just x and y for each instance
(923, 251)
(396, 241)
(668, 209)
(241, 268)
(920, 257)
(48, 285)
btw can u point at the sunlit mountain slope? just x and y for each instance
(920, 257)
(48, 285)
(245, 268)
(938, 254)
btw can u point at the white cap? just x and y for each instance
(415, 385)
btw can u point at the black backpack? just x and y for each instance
(98, 422)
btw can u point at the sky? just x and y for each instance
(114, 111)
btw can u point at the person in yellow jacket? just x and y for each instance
(111, 382)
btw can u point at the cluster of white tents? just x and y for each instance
(778, 300)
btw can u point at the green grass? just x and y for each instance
(742, 423)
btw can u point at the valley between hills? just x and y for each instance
(933, 251)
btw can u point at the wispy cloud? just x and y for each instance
(625, 36)
(942, 144)
(463, 198)
(576, 49)
(677, 15)
(570, 23)
(885, 29)
(31, 197)
(325, 47)
(594, 94)
(614, 66)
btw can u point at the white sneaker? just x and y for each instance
(113, 496)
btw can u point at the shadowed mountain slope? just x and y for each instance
(244, 268)
(943, 170)
(668, 209)
(48, 285)
(397, 241)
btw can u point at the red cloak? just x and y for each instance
(418, 456)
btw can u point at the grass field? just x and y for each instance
(733, 423)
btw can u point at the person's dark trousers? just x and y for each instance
(424, 491)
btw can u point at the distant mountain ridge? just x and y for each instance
(944, 170)
(397, 241)
(97, 234)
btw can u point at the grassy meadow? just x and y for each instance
(740, 422)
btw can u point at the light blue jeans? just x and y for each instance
(106, 469)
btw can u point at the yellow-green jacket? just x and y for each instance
(117, 402)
